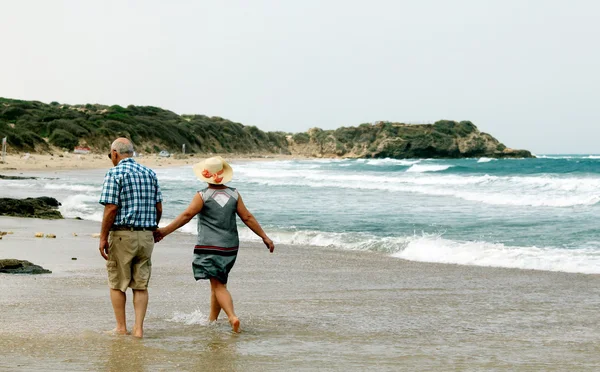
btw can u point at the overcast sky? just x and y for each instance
(525, 71)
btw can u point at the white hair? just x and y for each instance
(122, 146)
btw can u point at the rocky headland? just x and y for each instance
(32, 126)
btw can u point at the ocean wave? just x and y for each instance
(81, 205)
(485, 160)
(435, 248)
(388, 161)
(538, 191)
(421, 168)
(553, 157)
(78, 188)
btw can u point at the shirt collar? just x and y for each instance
(126, 160)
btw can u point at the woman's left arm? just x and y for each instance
(249, 220)
(193, 209)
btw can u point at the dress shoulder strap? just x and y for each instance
(206, 193)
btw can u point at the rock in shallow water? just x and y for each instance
(42, 207)
(13, 266)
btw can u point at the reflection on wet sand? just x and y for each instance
(126, 354)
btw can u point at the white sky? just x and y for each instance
(525, 71)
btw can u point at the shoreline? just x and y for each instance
(298, 311)
(67, 161)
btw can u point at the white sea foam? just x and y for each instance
(437, 249)
(388, 161)
(538, 191)
(485, 160)
(77, 188)
(434, 248)
(80, 205)
(195, 317)
(553, 157)
(421, 168)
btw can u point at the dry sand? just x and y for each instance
(37, 162)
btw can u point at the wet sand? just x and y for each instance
(302, 308)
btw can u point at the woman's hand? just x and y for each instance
(159, 234)
(269, 243)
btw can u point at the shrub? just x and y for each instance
(64, 139)
(301, 138)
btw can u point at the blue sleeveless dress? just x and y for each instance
(218, 242)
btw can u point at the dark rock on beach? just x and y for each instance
(3, 177)
(13, 266)
(42, 207)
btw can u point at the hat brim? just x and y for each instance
(227, 173)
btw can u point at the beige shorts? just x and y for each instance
(129, 259)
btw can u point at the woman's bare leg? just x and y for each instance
(226, 302)
(215, 308)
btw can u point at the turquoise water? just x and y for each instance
(523, 213)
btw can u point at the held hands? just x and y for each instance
(269, 243)
(159, 235)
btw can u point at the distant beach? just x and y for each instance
(70, 161)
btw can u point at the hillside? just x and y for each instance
(38, 127)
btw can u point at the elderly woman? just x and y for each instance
(217, 246)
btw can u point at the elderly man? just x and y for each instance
(132, 209)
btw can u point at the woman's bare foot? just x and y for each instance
(117, 332)
(138, 332)
(235, 324)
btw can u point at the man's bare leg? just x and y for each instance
(226, 302)
(215, 308)
(140, 304)
(118, 299)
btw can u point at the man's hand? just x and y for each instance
(269, 243)
(158, 235)
(104, 248)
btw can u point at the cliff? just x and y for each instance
(38, 127)
(444, 139)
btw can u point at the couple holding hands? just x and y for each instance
(132, 210)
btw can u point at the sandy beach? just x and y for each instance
(302, 308)
(70, 161)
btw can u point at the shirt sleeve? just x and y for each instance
(110, 190)
(159, 197)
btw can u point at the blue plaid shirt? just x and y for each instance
(134, 188)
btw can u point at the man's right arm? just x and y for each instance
(110, 196)
(159, 199)
(158, 212)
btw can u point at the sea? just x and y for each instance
(538, 214)
(380, 264)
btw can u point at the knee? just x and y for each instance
(215, 284)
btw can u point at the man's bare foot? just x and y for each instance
(235, 324)
(117, 332)
(138, 332)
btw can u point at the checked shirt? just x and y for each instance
(134, 188)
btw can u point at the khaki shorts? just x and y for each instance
(129, 259)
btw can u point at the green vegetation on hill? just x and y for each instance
(33, 126)
(36, 126)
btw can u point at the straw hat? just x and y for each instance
(213, 170)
